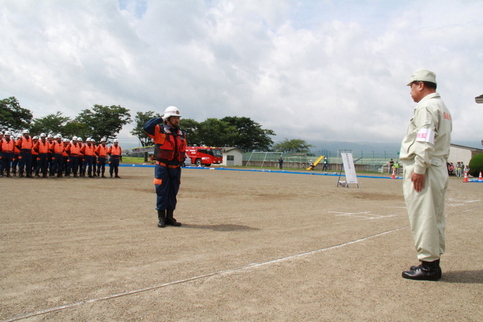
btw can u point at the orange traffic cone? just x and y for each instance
(465, 179)
(480, 178)
(393, 176)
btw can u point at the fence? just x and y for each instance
(363, 162)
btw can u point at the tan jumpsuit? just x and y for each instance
(425, 150)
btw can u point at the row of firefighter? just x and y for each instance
(47, 155)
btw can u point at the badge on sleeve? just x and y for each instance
(425, 135)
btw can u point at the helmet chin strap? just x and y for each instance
(171, 125)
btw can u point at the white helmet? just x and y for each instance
(103, 139)
(25, 132)
(35, 138)
(89, 140)
(79, 139)
(66, 140)
(116, 141)
(171, 111)
(8, 133)
(58, 136)
(43, 135)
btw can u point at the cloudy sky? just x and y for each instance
(313, 70)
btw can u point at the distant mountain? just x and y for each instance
(356, 147)
(372, 147)
(472, 144)
(331, 148)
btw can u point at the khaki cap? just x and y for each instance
(423, 75)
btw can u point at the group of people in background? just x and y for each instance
(459, 170)
(53, 156)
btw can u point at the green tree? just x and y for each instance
(476, 165)
(104, 121)
(13, 116)
(292, 146)
(75, 128)
(140, 119)
(192, 130)
(250, 135)
(216, 133)
(52, 123)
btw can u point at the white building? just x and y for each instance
(232, 156)
(460, 153)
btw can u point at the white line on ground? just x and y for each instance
(189, 279)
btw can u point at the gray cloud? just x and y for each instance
(319, 70)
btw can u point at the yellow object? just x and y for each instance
(316, 162)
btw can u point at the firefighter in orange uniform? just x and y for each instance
(73, 149)
(34, 153)
(8, 146)
(16, 157)
(88, 150)
(65, 158)
(80, 156)
(25, 144)
(101, 152)
(115, 153)
(57, 148)
(170, 148)
(94, 159)
(41, 147)
(50, 154)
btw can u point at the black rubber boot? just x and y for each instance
(162, 218)
(427, 271)
(170, 220)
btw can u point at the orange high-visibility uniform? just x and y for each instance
(24, 143)
(64, 150)
(57, 147)
(88, 149)
(101, 150)
(73, 149)
(114, 151)
(41, 147)
(8, 146)
(33, 151)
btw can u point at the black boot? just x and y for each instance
(427, 271)
(162, 218)
(421, 265)
(170, 220)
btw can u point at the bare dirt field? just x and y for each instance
(254, 246)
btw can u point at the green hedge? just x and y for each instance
(476, 165)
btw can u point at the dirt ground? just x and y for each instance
(254, 246)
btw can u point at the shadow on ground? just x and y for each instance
(469, 277)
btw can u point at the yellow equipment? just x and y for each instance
(312, 166)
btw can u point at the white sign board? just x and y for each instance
(349, 169)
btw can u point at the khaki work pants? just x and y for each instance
(426, 210)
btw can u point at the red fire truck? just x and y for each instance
(204, 155)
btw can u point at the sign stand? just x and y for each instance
(349, 170)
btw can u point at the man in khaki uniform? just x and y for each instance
(424, 153)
